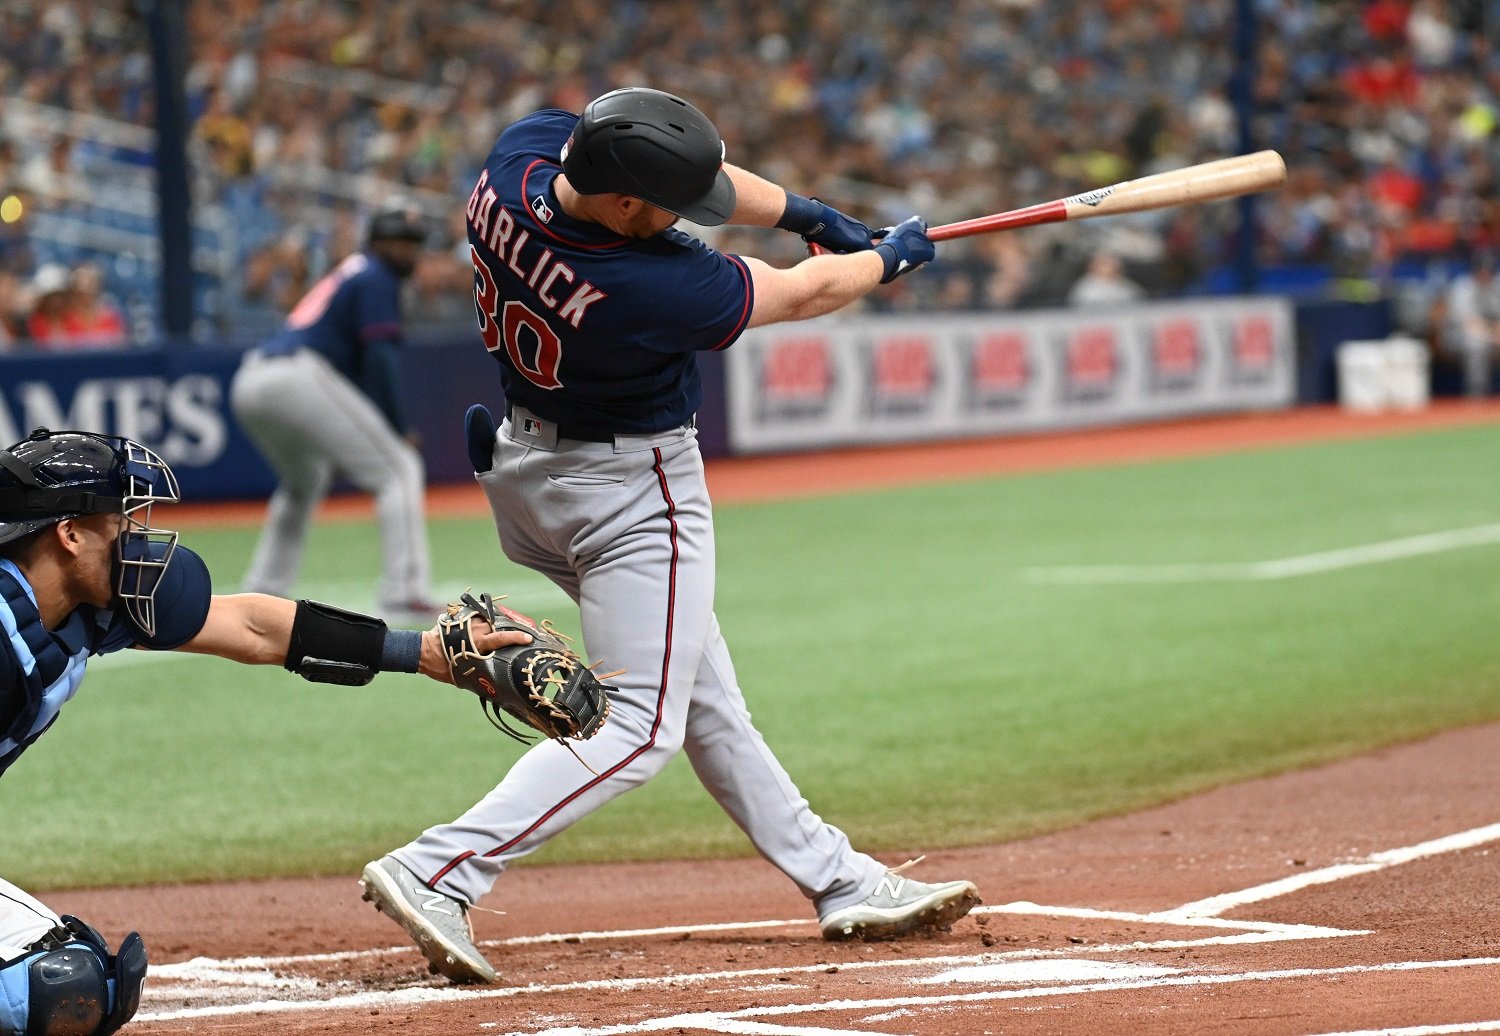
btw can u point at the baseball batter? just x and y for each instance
(594, 306)
(321, 397)
(84, 573)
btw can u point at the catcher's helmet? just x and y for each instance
(50, 476)
(654, 146)
(396, 222)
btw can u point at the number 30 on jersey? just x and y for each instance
(534, 349)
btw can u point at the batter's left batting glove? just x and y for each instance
(904, 248)
(824, 226)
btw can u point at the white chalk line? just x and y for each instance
(1424, 1030)
(1215, 905)
(266, 971)
(714, 1022)
(1278, 568)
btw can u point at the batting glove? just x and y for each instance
(904, 248)
(824, 225)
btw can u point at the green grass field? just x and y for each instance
(918, 659)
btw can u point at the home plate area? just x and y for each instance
(1358, 898)
(1042, 968)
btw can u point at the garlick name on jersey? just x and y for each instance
(508, 241)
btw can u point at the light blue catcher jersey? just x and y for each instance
(40, 669)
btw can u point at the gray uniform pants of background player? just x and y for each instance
(309, 421)
(625, 528)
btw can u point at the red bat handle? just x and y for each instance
(1032, 215)
(1046, 212)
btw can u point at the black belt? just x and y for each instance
(569, 432)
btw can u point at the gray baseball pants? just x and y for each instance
(626, 529)
(310, 422)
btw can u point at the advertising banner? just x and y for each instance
(869, 379)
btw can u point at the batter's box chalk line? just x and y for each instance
(205, 987)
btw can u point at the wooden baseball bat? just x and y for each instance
(1207, 181)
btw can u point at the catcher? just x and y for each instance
(83, 572)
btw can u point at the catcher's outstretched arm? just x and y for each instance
(257, 629)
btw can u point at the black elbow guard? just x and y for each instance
(330, 645)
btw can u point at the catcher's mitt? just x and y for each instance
(543, 684)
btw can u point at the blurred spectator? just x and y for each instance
(12, 310)
(1469, 323)
(49, 304)
(93, 320)
(69, 310)
(1388, 112)
(1104, 283)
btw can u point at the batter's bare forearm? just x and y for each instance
(816, 286)
(758, 201)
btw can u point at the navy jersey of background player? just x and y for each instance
(357, 304)
(571, 305)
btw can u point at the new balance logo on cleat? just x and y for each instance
(898, 906)
(438, 923)
(433, 902)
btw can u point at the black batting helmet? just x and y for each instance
(396, 221)
(50, 476)
(654, 146)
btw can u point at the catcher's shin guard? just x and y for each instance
(68, 984)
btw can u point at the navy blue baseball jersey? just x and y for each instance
(352, 317)
(593, 331)
(40, 669)
(356, 303)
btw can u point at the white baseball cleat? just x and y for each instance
(439, 923)
(899, 906)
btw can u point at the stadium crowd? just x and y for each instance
(305, 115)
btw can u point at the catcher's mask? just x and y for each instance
(50, 476)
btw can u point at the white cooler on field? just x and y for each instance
(1390, 374)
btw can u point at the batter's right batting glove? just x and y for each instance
(904, 248)
(823, 225)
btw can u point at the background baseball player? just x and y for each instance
(83, 573)
(322, 398)
(594, 307)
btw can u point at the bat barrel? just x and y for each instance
(1208, 181)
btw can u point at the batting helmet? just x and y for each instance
(50, 476)
(654, 146)
(396, 222)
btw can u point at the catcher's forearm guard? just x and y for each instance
(331, 645)
(543, 684)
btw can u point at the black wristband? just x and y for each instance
(401, 652)
(801, 215)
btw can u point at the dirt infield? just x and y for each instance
(1362, 896)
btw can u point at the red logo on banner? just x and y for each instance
(1254, 343)
(903, 366)
(797, 369)
(1174, 349)
(1092, 358)
(999, 362)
